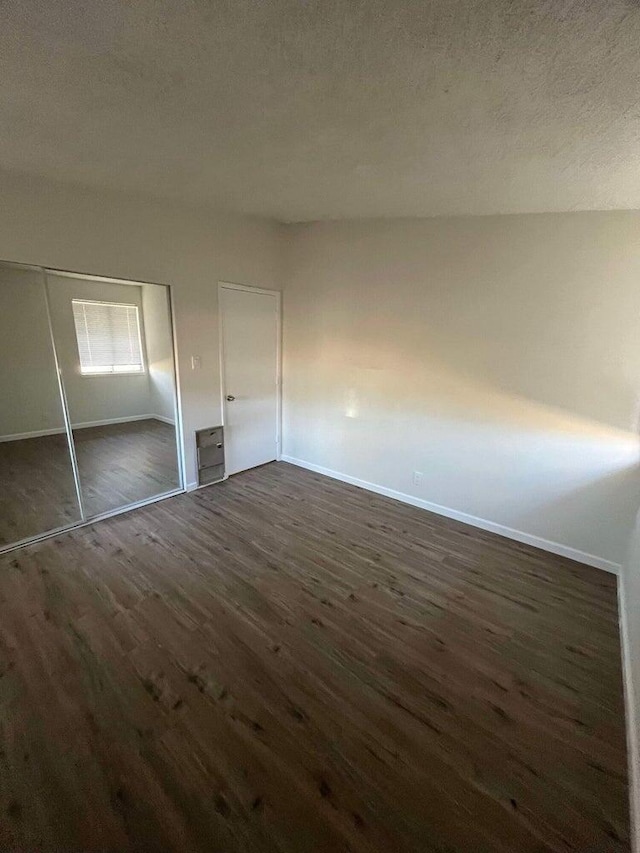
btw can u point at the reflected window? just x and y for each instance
(108, 335)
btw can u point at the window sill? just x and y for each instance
(120, 373)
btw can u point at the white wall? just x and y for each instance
(93, 399)
(630, 619)
(29, 395)
(109, 234)
(499, 356)
(159, 346)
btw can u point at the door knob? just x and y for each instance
(230, 398)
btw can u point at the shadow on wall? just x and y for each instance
(614, 495)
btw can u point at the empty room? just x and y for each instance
(320, 426)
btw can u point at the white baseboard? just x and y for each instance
(191, 487)
(474, 521)
(19, 436)
(109, 421)
(632, 717)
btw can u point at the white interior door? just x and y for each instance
(250, 323)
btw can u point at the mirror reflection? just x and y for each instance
(115, 351)
(37, 486)
(87, 424)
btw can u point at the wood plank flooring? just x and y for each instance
(286, 663)
(119, 464)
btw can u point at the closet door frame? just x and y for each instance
(63, 400)
(177, 404)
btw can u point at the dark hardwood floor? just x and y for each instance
(119, 464)
(285, 663)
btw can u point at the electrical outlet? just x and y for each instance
(195, 362)
(417, 478)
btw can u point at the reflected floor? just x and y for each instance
(37, 489)
(119, 464)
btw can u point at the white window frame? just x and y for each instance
(143, 364)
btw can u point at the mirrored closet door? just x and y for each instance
(89, 405)
(38, 491)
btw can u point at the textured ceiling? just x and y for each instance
(310, 109)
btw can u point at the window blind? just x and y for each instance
(108, 335)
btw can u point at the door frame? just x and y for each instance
(228, 285)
